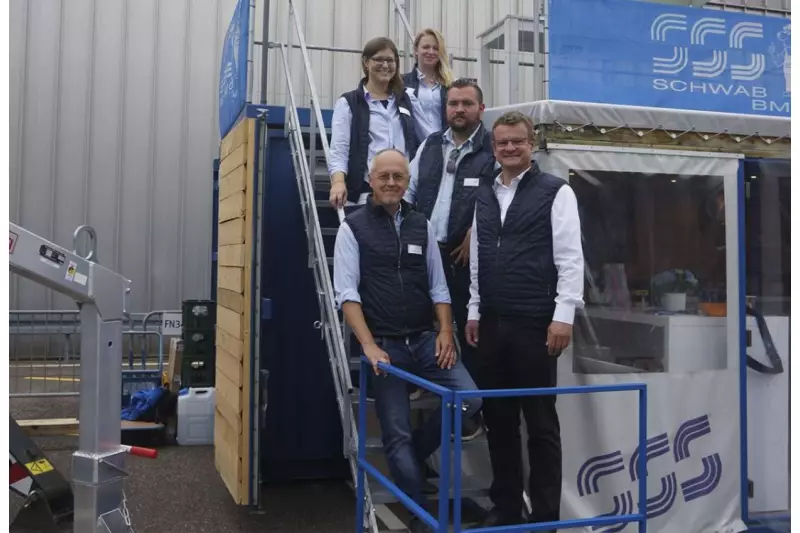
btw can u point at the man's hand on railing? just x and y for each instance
(376, 355)
(338, 195)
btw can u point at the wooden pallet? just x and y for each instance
(58, 427)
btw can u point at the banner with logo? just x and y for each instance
(659, 55)
(233, 68)
(643, 213)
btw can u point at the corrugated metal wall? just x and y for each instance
(351, 23)
(113, 118)
(113, 124)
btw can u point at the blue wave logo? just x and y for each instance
(596, 468)
(623, 504)
(706, 482)
(689, 431)
(665, 499)
(655, 446)
(600, 466)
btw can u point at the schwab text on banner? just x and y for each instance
(656, 55)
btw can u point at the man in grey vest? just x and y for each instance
(526, 268)
(389, 282)
(445, 174)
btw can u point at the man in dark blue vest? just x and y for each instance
(445, 175)
(389, 282)
(526, 266)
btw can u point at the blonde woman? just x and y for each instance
(428, 82)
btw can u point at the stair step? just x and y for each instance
(321, 174)
(470, 488)
(307, 129)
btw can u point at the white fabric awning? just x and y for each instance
(576, 114)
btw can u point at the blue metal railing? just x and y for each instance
(450, 399)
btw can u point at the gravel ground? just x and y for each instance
(182, 492)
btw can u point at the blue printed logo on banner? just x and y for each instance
(648, 54)
(233, 68)
(693, 488)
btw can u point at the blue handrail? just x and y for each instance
(450, 399)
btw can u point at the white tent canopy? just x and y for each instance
(648, 118)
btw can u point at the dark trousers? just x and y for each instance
(512, 354)
(406, 449)
(457, 277)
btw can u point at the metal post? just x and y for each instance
(457, 430)
(362, 446)
(485, 72)
(251, 38)
(407, 58)
(642, 463)
(538, 93)
(511, 66)
(445, 475)
(546, 51)
(98, 466)
(264, 50)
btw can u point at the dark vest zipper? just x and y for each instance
(399, 274)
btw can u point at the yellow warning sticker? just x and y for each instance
(39, 467)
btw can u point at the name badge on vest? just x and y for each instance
(472, 182)
(415, 249)
(404, 111)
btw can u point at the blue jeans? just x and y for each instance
(406, 450)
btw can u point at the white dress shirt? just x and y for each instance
(440, 216)
(567, 250)
(427, 106)
(385, 131)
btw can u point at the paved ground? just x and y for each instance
(181, 491)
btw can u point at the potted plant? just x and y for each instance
(672, 287)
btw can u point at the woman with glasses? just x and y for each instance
(374, 116)
(428, 81)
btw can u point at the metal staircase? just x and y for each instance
(313, 186)
(310, 149)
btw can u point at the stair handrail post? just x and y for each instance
(312, 87)
(409, 43)
(317, 115)
(327, 313)
(329, 320)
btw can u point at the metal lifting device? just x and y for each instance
(98, 466)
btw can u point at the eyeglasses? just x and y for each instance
(383, 60)
(397, 178)
(516, 143)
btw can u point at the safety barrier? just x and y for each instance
(452, 417)
(45, 352)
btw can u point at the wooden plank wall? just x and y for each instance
(231, 421)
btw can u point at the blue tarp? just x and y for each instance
(142, 401)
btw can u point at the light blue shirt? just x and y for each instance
(441, 209)
(427, 104)
(385, 131)
(347, 267)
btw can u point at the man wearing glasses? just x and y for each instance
(526, 268)
(445, 174)
(389, 282)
